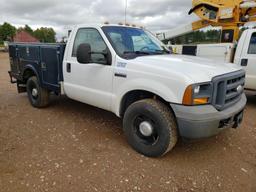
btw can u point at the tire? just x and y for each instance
(150, 127)
(38, 96)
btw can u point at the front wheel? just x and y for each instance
(38, 96)
(150, 127)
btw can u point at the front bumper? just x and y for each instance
(195, 122)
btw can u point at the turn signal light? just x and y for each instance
(201, 101)
(187, 98)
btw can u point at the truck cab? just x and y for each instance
(245, 57)
(128, 71)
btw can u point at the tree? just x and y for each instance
(197, 37)
(27, 29)
(7, 32)
(46, 35)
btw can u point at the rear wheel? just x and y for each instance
(38, 96)
(150, 127)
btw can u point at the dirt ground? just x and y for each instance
(73, 147)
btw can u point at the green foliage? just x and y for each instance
(26, 28)
(46, 35)
(210, 36)
(7, 31)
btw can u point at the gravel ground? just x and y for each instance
(74, 147)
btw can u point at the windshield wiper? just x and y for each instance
(153, 52)
(161, 51)
(137, 52)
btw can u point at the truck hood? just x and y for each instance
(198, 69)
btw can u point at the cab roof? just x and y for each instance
(106, 25)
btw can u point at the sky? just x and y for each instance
(155, 15)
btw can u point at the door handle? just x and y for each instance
(68, 67)
(244, 62)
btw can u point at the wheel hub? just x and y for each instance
(146, 129)
(34, 92)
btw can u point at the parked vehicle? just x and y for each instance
(127, 71)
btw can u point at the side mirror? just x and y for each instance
(84, 53)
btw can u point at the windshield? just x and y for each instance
(133, 41)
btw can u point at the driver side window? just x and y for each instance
(94, 39)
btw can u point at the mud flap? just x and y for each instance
(21, 88)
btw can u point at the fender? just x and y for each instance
(31, 67)
(152, 86)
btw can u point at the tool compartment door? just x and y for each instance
(50, 67)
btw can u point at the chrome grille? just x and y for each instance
(228, 89)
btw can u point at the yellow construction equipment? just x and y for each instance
(228, 14)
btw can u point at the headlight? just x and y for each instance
(198, 94)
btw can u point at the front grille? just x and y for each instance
(228, 89)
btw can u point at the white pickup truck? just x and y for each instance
(243, 54)
(127, 71)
